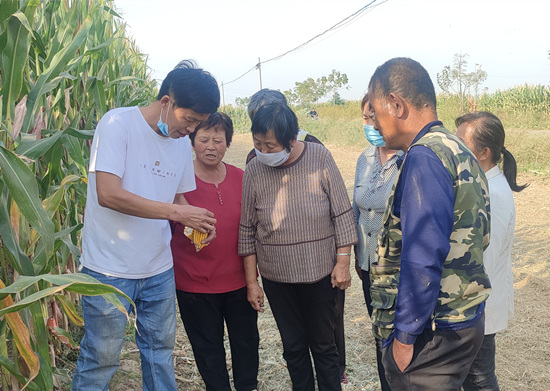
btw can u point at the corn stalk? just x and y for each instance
(63, 64)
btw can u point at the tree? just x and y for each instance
(458, 80)
(333, 83)
(242, 102)
(311, 91)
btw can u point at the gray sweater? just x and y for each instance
(295, 217)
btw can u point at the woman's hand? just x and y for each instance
(341, 276)
(255, 296)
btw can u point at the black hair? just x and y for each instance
(219, 121)
(364, 101)
(262, 97)
(407, 78)
(278, 118)
(487, 132)
(192, 88)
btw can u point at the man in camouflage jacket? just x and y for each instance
(429, 286)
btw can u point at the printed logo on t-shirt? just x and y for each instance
(158, 171)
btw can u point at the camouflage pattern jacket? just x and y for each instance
(464, 283)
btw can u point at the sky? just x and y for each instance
(509, 39)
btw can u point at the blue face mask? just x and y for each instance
(373, 136)
(163, 126)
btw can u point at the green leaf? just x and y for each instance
(78, 283)
(82, 134)
(98, 91)
(57, 65)
(12, 368)
(70, 310)
(33, 149)
(22, 263)
(123, 78)
(111, 11)
(101, 46)
(23, 188)
(14, 60)
(52, 203)
(75, 151)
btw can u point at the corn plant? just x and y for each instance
(63, 64)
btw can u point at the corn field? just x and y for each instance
(63, 64)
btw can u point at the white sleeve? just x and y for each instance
(109, 146)
(187, 182)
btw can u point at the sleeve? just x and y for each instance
(109, 146)
(340, 208)
(249, 219)
(187, 182)
(502, 229)
(427, 216)
(354, 206)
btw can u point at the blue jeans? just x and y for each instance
(104, 327)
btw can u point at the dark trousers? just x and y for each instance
(381, 372)
(339, 335)
(482, 372)
(305, 315)
(203, 316)
(441, 360)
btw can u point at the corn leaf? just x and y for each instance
(79, 283)
(21, 263)
(21, 337)
(33, 149)
(70, 310)
(57, 65)
(14, 59)
(24, 190)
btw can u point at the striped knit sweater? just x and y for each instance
(295, 217)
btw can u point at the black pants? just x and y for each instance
(381, 372)
(305, 316)
(339, 335)
(203, 316)
(441, 360)
(482, 372)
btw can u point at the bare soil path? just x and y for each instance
(523, 351)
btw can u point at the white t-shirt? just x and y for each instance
(497, 258)
(151, 166)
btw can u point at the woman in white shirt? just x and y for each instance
(375, 175)
(483, 133)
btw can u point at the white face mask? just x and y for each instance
(274, 159)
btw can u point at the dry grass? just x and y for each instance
(523, 350)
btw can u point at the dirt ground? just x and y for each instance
(523, 350)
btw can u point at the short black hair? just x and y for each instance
(278, 118)
(191, 88)
(407, 78)
(219, 121)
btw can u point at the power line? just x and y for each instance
(351, 18)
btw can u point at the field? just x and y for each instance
(523, 351)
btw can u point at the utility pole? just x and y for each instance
(223, 97)
(259, 66)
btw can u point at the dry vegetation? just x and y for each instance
(523, 351)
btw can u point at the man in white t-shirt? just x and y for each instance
(140, 166)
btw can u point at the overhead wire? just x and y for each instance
(351, 18)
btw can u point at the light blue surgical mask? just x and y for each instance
(163, 126)
(273, 159)
(373, 136)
